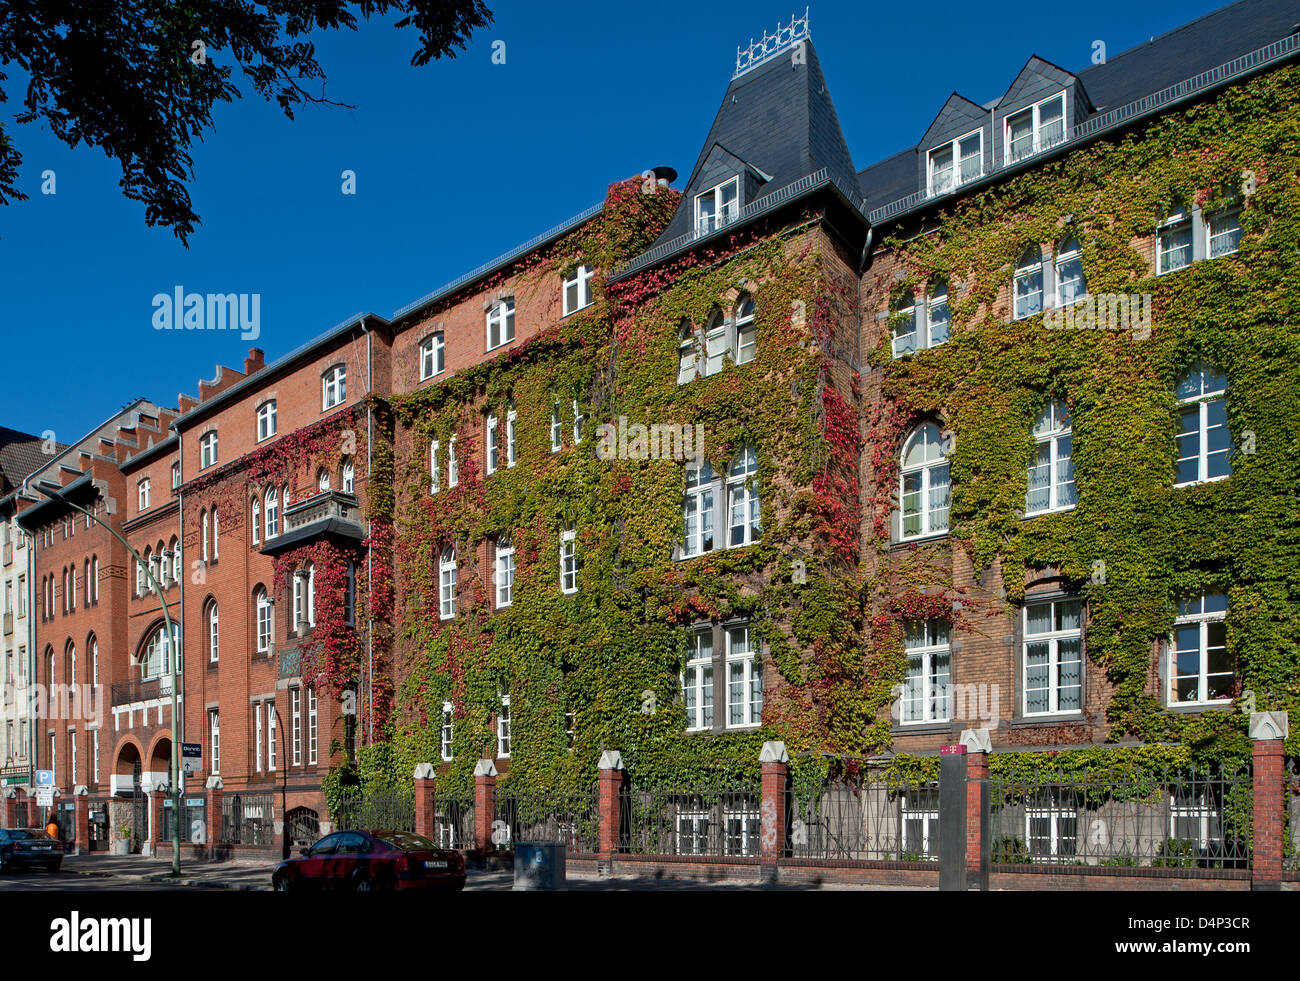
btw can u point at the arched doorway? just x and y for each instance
(303, 826)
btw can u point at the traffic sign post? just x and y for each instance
(191, 757)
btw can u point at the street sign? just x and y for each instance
(191, 757)
(44, 778)
(45, 797)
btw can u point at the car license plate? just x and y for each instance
(43, 848)
(438, 864)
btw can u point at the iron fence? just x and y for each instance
(722, 819)
(1173, 818)
(564, 816)
(248, 819)
(876, 816)
(453, 820)
(375, 812)
(1291, 802)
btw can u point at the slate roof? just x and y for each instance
(20, 456)
(1173, 57)
(779, 119)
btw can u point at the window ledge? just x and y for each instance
(1195, 708)
(1047, 511)
(920, 539)
(1054, 719)
(920, 728)
(1198, 483)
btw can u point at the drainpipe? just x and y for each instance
(370, 432)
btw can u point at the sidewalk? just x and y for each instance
(241, 874)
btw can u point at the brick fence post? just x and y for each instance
(485, 803)
(424, 807)
(609, 805)
(11, 807)
(1268, 730)
(156, 798)
(212, 812)
(978, 744)
(775, 762)
(80, 819)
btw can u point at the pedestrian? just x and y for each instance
(52, 829)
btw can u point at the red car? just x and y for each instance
(361, 861)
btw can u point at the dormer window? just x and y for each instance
(956, 163)
(717, 206)
(1036, 128)
(577, 289)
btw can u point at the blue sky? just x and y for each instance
(455, 163)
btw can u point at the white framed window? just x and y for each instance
(692, 833)
(927, 683)
(955, 163)
(216, 534)
(255, 526)
(744, 521)
(924, 484)
(334, 387)
(433, 356)
(1071, 286)
(920, 809)
(1036, 128)
(257, 737)
(744, 680)
(1200, 671)
(501, 323)
(143, 490)
(688, 354)
(570, 564)
(264, 611)
(214, 740)
(1027, 283)
(176, 476)
(697, 680)
(716, 347)
(311, 594)
(1053, 657)
(1174, 242)
(902, 324)
(447, 584)
(1204, 443)
(1051, 472)
(203, 524)
(348, 477)
(512, 446)
(270, 735)
(1051, 829)
(214, 633)
(503, 728)
(94, 662)
(94, 753)
(577, 289)
(578, 419)
(1223, 232)
(505, 572)
(208, 449)
(453, 468)
(313, 715)
(433, 467)
(557, 428)
(717, 206)
(697, 510)
(446, 732)
(493, 447)
(295, 710)
(746, 330)
(742, 829)
(272, 513)
(1195, 816)
(266, 422)
(939, 315)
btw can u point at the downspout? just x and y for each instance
(370, 454)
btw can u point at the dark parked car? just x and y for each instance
(360, 861)
(25, 847)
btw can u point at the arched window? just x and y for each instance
(688, 354)
(746, 330)
(348, 476)
(176, 563)
(447, 584)
(155, 655)
(902, 323)
(453, 469)
(311, 595)
(433, 467)
(1070, 284)
(492, 446)
(256, 524)
(272, 513)
(203, 525)
(216, 533)
(263, 611)
(1051, 473)
(92, 650)
(501, 323)
(1028, 283)
(72, 588)
(322, 479)
(151, 567)
(94, 577)
(715, 342)
(1174, 240)
(85, 575)
(334, 387)
(50, 680)
(70, 662)
(214, 632)
(924, 483)
(1204, 443)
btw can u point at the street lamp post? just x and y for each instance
(173, 642)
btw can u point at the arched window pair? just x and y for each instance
(269, 506)
(704, 353)
(917, 323)
(347, 477)
(156, 653)
(1048, 281)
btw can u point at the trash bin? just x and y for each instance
(539, 865)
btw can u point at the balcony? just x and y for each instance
(329, 514)
(126, 692)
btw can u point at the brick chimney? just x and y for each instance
(255, 361)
